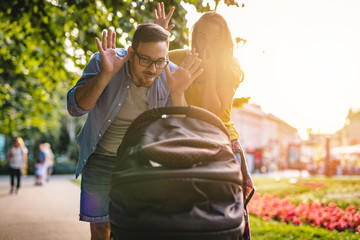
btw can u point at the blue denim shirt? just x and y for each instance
(108, 105)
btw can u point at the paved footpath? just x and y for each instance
(48, 212)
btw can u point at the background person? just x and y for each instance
(116, 86)
(38, 173)
(41, 169)
(49, 161)
(18, 163)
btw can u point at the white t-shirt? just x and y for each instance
(17, 157)
(49, 157)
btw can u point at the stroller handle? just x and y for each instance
(157, 113)
(173, 110)
(189, 111)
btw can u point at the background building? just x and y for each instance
(350, 133)
(270, 143)
(345, 145)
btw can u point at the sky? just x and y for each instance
(301, 58)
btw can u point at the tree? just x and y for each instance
(41, 38)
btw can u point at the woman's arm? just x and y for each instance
(25, 158)
(220, 85)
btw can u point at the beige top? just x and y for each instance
(135, 103)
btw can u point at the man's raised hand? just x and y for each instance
(111, 62)
(179, 80)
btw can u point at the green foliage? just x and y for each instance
(32, 67)
(273, 230)
(39, 38)
(4, 167)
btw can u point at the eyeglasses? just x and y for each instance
(147, 62)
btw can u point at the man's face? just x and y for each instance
(154, 51)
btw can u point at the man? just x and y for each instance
(115, 87)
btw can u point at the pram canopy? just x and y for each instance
(176, 178)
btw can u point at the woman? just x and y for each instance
(214, 89)
(18, 163)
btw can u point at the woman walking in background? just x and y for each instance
(18, 163)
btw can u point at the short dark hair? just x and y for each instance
(149, 32)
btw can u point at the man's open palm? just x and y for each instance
(111, 62)
(180, 80)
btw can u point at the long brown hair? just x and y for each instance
(213, 17)
(225, 57)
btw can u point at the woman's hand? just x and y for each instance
(161, 19)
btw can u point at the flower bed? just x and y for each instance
(331, 217)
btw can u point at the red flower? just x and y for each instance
(330, 217)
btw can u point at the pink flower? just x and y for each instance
(270, 206)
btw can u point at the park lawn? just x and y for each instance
(343, 191)
(76, 181)
(273, 230)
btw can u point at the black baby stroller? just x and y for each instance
(176, 178)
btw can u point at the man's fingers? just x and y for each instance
(197, 74)
(104, 39)
(168, 73)
(185, 63)
(114, 40)
(98, 43)
(190, 60)
(109, 38)
(195, 65)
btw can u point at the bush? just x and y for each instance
(4, 167)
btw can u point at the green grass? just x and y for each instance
(76, 181)
(272, 230)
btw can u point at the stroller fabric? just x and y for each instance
(176, 178)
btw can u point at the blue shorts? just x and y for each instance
(95, 188)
